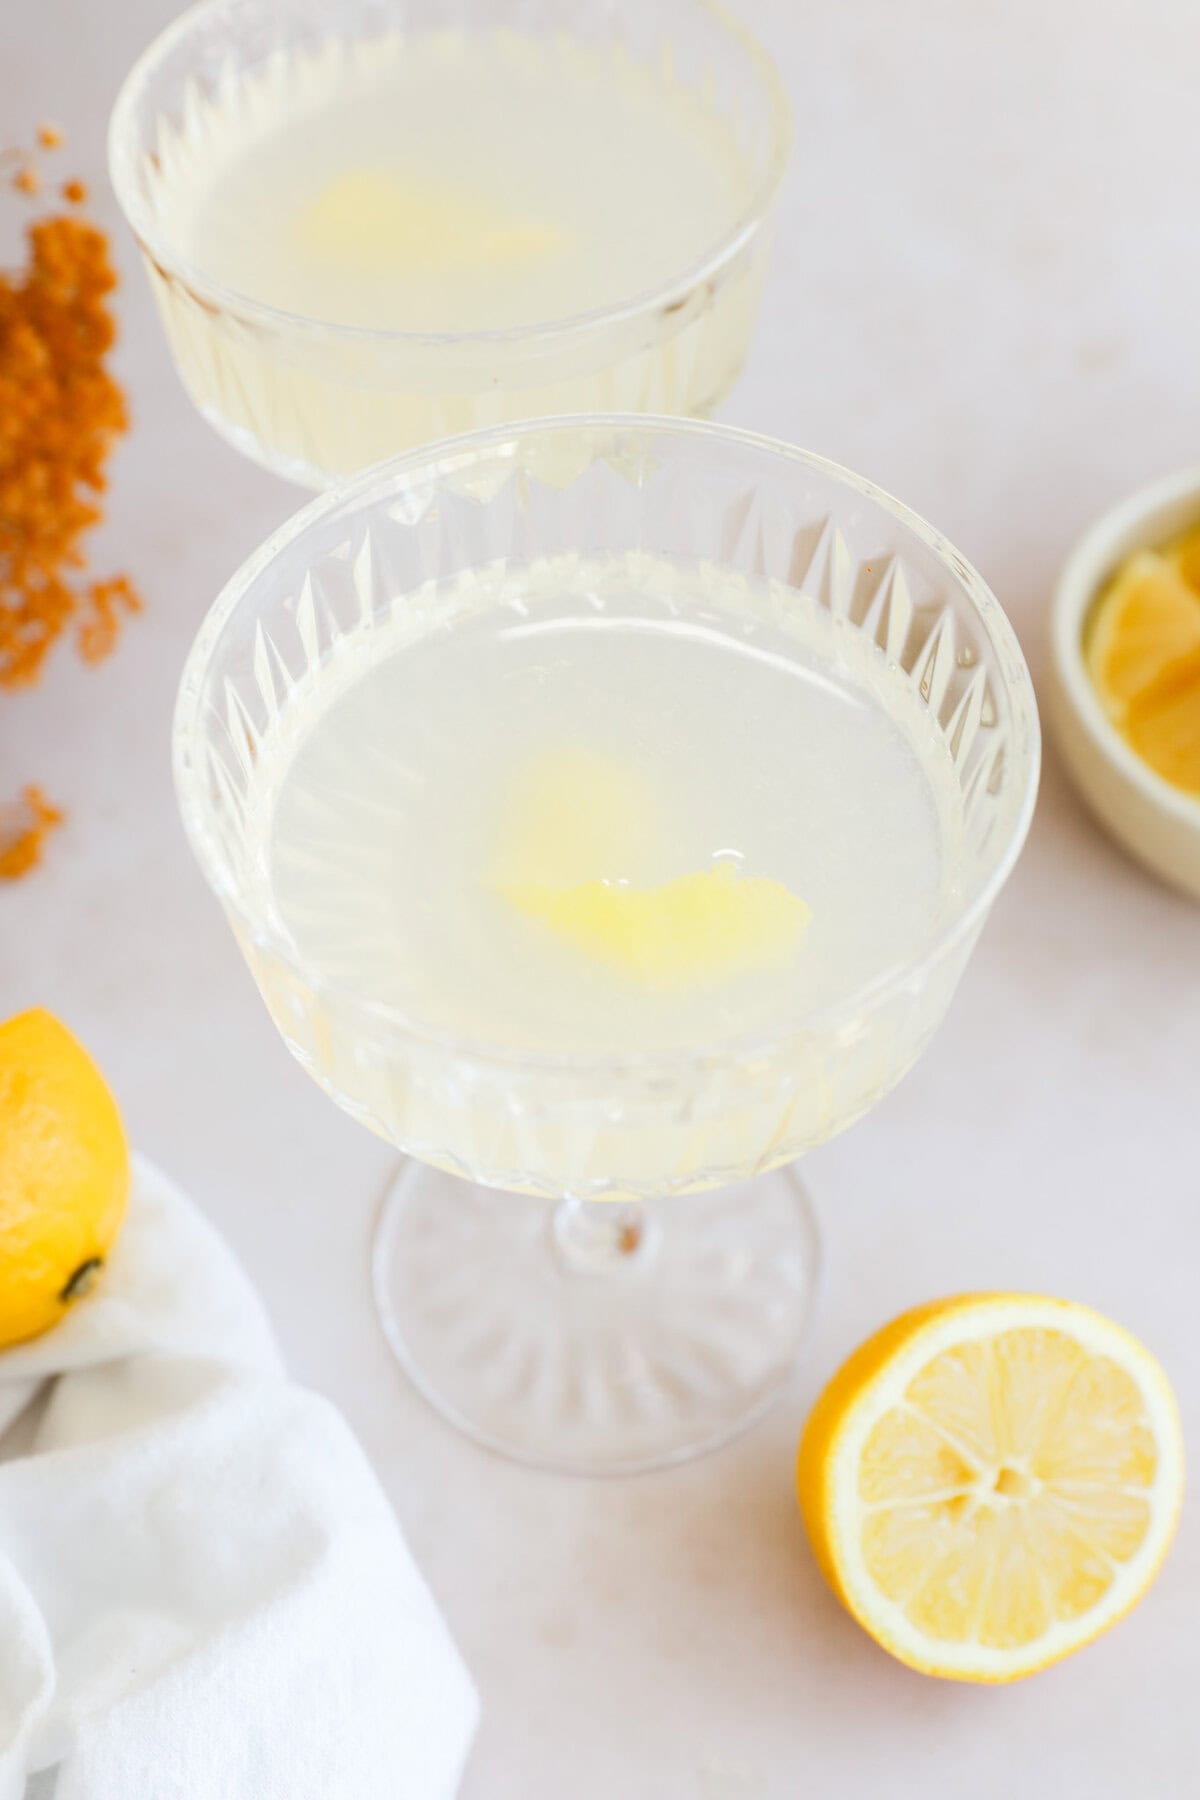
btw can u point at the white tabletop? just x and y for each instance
(987, 297)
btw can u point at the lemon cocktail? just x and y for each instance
(619, 808)
(372, 224)
(607, 810)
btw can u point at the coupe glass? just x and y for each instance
(600, 1262)
(313, 399)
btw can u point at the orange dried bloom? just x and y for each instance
(60, 415)
(23, 832)
(49, 137)
(100, 627)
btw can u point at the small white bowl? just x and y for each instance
(1157, 823)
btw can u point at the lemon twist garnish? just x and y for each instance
(373, 221)
(696, 929)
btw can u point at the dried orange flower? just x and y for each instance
(49, 137)
(27, 180)
(75, 192)
(61, 413)
(23, 830)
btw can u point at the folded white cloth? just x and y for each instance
(204, 1594)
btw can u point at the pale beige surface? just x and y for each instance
(987, 297)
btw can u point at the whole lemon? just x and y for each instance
(64, 1173)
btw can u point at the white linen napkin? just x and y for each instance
(204, 1594)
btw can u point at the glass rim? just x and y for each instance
(432, 461)
(156, 244)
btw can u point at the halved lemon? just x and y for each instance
(1148, 618)
(992, 1481)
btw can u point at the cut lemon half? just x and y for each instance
(992, 1481)
(1148, 618)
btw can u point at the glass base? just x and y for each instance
(596, 1338)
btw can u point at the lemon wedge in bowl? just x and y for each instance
(1143, 655)
(992, 1481)
(1163, 723)
(1147, 620)
(1184, 556)
(698, 928)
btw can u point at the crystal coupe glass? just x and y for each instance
(296, 382)
(595, 1256)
